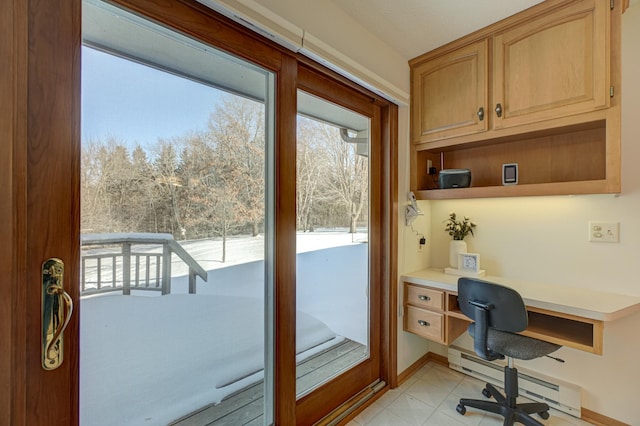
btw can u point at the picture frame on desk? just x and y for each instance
(468, 266)
(469, 262)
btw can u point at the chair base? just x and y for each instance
(506, 406)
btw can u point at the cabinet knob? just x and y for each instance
(425, 298)
(499, 110)
(423, 323)
(481, 113)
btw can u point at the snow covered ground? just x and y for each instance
(150, 360)
(243, 249)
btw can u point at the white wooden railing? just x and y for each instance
(138, 261)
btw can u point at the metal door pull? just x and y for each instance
(55, 315)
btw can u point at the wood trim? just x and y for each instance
(53, 197)
(599, 419)
(310, 64)
(13, 130)
(421, 362)
(285, 244)
(614, 117)
(312, 81)
(411, 370)
(625, 5)
(368, 395)
(389, 324)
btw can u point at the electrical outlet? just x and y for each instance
(604, 232)
(421, 242)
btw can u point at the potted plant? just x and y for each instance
(458, 229)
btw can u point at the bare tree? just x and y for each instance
(167, 184)
(310, 167)
(347, 177)
(111, 188)
(95, 214)
(236, 129)
(143, 191)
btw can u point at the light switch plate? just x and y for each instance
(604, 232)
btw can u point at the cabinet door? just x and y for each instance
(553, 66)
(448, 92)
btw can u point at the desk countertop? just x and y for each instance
(585, 303)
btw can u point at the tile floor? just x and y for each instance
(429, 398)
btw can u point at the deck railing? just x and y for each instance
(119, 266)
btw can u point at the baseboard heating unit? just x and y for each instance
(557, 394)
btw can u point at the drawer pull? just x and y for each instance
(423, 323)
(425, 298)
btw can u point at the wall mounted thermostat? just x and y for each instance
(510, 174)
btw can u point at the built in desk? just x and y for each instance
(568, 316)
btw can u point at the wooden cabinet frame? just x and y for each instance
(542, 141)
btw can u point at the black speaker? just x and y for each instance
(454, 178)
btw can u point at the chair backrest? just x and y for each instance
(491, 305)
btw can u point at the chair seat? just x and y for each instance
(515, 345)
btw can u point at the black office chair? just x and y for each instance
(499, 313)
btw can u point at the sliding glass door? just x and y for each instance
(215, 283)
(332, 281)
(177, 141)
(336, 240)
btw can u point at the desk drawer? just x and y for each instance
(425, 297)
(425, 323)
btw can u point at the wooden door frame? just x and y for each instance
(41, 45)
(40, 41)
(13, 134)
(312, 407)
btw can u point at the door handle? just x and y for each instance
(57, 308)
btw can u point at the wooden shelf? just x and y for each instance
(562, 161)
(561, 188)
(566, 330)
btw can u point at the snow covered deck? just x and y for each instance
(152, 360)
(246, 407)
(148, 268)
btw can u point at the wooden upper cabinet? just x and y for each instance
(450, 94)
(554, 66)
(550, 68)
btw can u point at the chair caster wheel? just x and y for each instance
(461, 409)
(544, 415)
(486, 393)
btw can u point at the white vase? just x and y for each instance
(455, 247)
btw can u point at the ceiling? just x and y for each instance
(413, 27)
